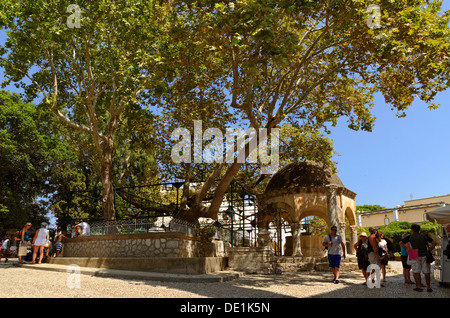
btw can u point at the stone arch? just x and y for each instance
(277, 213)
(350, 214)
(316, 210)
(286, 210)
(270, 210)
(311, 244)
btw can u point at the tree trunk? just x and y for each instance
(198, 210)
(222, 189)
(109, 212)
(106, 154)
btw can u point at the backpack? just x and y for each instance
(326, 247)
(363, 247)
(362, 253)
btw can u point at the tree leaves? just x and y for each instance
(25, 152)
(310, 63)
(87, 76)
(300, 65)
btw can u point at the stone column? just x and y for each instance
(333, 215)
(264, 239)
(333, 218)
(296, 242)
(341, 232)
(353, 238)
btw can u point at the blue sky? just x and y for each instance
(402, 157)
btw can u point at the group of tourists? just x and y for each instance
(418, 250)
(373, 249)
(416, 255)
(43, 244)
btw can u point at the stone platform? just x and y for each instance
(168, 265)
(144, 245)
(317, 264)
(218, 277)
(260, 260)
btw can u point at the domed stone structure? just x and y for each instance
(304, 189)
(302, 174)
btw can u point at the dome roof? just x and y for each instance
(302, 174)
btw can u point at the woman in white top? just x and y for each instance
(39, 240)
(382, 245)
(5, 248)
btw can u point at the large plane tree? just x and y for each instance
(307, 64)
(262, 64)
(85, 62)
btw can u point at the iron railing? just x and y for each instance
(138, 225)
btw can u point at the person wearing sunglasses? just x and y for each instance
(22, 239)
(362, 255)
(335, 246)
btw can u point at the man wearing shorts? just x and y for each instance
(333, 242)
(374, 256)
(420, 242)
(59, 244)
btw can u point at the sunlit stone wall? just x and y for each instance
(165, 244)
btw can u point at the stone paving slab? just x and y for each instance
(222, 276)
(172, 265)
(29, 281)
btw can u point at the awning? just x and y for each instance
(441, 215)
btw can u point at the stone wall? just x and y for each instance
(251, 260)
(312, 246)
(164, 244)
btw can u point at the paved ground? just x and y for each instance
(20, 282)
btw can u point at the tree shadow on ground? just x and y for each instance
(307, 285)
(298, 285)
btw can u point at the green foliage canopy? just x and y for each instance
(258, 63)
(396, 229)
(25, 152)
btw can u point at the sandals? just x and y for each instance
(421, 290)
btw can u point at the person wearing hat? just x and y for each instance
(362, 254)
(39, 240)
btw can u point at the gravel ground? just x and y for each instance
(19, 282)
